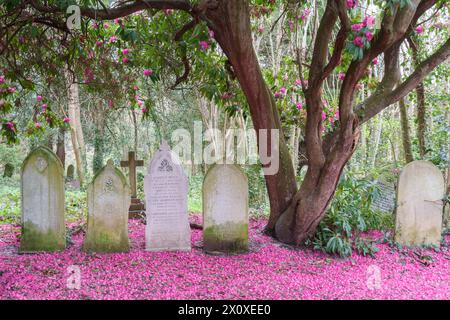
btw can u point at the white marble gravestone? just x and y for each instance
(419, 210)
(42, 196)
(225, 209)
(166, 189)
(108, 202)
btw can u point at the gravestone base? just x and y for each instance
(106, 241)
(226, 238)
(137, 209)
(34, 240)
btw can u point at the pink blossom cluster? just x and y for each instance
(268, 271)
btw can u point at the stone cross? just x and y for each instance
(132, 163)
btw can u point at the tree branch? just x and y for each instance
(371, 107)
(120, 11)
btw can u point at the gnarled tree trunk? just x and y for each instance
(231, 24)
(406, 139)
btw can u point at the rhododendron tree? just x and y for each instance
(351, 36)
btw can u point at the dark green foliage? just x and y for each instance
(349, 215)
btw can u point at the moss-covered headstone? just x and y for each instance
(419, 210)
(42, 196)
(70, 172)
(108, 202)
(9, 170)
(225, 209)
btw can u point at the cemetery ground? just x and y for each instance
(269, 270)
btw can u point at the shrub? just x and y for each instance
(348, 216)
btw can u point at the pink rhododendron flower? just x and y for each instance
(277, 95)
(118, 21)
(125, 60)
(11, 89)
(227, 95)
(99, 43)
(299, 105)
(336, 115)
(125, 51)
(341, 76)
(369, 35)
(419, 29)
(39, 98)
(94, 25)
(369, 21)
(144, 110)
(283, 90)
(106, 25)
(204, 45)
(331, 119)
(375, 61)
(357, 26)
(298, 82)
(11, 126)
(305, 14)
(358, 41)
(211, 34)
(350, 3)
(2, 79)
(324, 115)
(66, 120)
(148, 72)
(37, 125)
(110, 104)
(260, 29)
(291, 25)
(113, 39)
(44, 107)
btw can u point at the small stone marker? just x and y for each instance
(9, 170)
(419, 211)
(108, 202)
(166, 190)
(70, 172)
(42, 196)
(225, 209)
(136, 207)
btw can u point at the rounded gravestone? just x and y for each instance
(108, 202)
(419, 210)
(166, 189)
(70, 172)
(225, 209)
(42, 196)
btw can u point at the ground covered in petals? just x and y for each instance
(268, 271)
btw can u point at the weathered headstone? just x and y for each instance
(225, 209)
(9, 170)
(42, 196)
(70, 172)
(166, 190)
(108, 202)
(137, 206)
(385, 200)
(420, 192)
